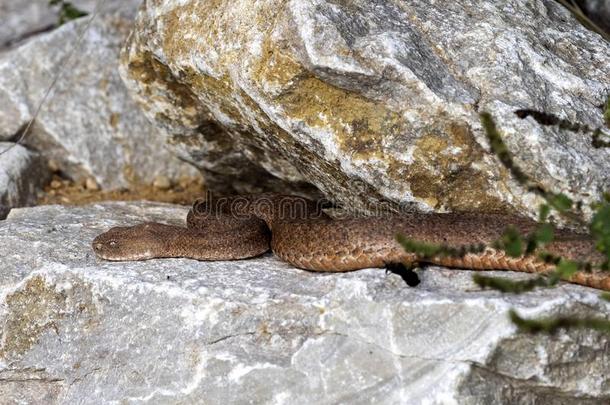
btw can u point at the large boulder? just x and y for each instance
(89, 125)
(74, 329)
(374, 101)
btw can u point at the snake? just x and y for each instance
(300, 232)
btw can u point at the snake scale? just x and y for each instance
(298, 231)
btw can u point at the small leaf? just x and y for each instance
(506, 285)
(599, 139)
(511, 242)
(544, 234)
(607, 112)
(552, 325)
(566, 268)
(421, 249)
(560, 202)
(544, 212)
(69, 12)
(600, 228)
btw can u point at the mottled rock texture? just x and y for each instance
(23, 19)
(372, 100)
(74, 329)
(22, 174)
(89, 125)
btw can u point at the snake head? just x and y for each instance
(139, 242)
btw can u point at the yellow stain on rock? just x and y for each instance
(359, 125)
(32, 311)
(442, 172)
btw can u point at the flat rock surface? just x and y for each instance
(74, 329)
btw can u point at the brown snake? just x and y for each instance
(299, 232)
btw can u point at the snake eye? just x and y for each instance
(112, 243)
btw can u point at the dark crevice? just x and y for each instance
(25, 36)
(407, 274)
(14, 138)
(220, 339)
(4, 210)
(548, 119)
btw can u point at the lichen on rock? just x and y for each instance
(278, 94)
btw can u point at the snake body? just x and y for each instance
(298, 231)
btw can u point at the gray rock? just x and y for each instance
(74, 329)
(22, 175)
(373, 101)
(23, 19)
(89, 125)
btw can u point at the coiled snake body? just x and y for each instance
(299, 232)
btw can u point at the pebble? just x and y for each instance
(55, 184)
(91, 184)
(53, 166)
(184, 181)
(162, 182)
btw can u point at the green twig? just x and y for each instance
(67, 11)
(598, 142)
(560, 202)
(563, 271)
(598, 137)
(515, 287)
(552, 325)
(607, 111)
(600, 229)
(426, 251)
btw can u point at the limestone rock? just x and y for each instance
(74, 329)
(89, 125)
(22, 174)
(23, 19)
(373, 101)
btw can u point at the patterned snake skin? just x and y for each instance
(299, 232)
